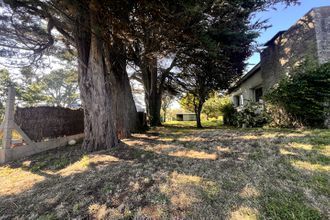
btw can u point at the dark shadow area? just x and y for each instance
(51, 160)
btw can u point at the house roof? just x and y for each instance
(255, 69)
(284, 31)
(274, 38)
(268, 43)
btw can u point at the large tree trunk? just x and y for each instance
(97, 85)
(153, 91)
(127, 117)
(98, 100)
(110, 112)
(153, 108)
(198, 111)
(198, 119)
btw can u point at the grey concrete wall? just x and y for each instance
(288, 50)
(322, 27)
(246, 88)
(308, 38)
(8, 123)
(15, 153)
(189, 117)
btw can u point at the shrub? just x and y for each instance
(252, 115)
(302, 98)
(228, 111)
(279, 117)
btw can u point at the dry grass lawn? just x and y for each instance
(177, 173)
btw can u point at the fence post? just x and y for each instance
(8, 123)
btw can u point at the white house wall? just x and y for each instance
(246, 88)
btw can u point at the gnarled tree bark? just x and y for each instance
(109, 108)
(126, 113)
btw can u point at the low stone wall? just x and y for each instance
(49, 122)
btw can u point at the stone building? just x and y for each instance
(308, 38)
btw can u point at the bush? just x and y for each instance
(228, 111)
(301, 99)
(280, 118)
(252, 115)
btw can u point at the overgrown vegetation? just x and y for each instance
(302, 99)
(214, 104)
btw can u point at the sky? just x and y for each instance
(282, 19)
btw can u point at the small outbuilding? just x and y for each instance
(186, 117)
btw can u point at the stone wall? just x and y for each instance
(308, 38)
(322, 27)
(288, 49)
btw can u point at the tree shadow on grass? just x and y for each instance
(134, 179)
(49, 162)
(137, 180)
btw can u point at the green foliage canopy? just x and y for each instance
(61, 87)
(5, 82)
(187, 102)
(213, 107)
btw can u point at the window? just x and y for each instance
(236, 100)
(258, 94)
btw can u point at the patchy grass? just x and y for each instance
(288, 205)
(192, 124)
(177, 173)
